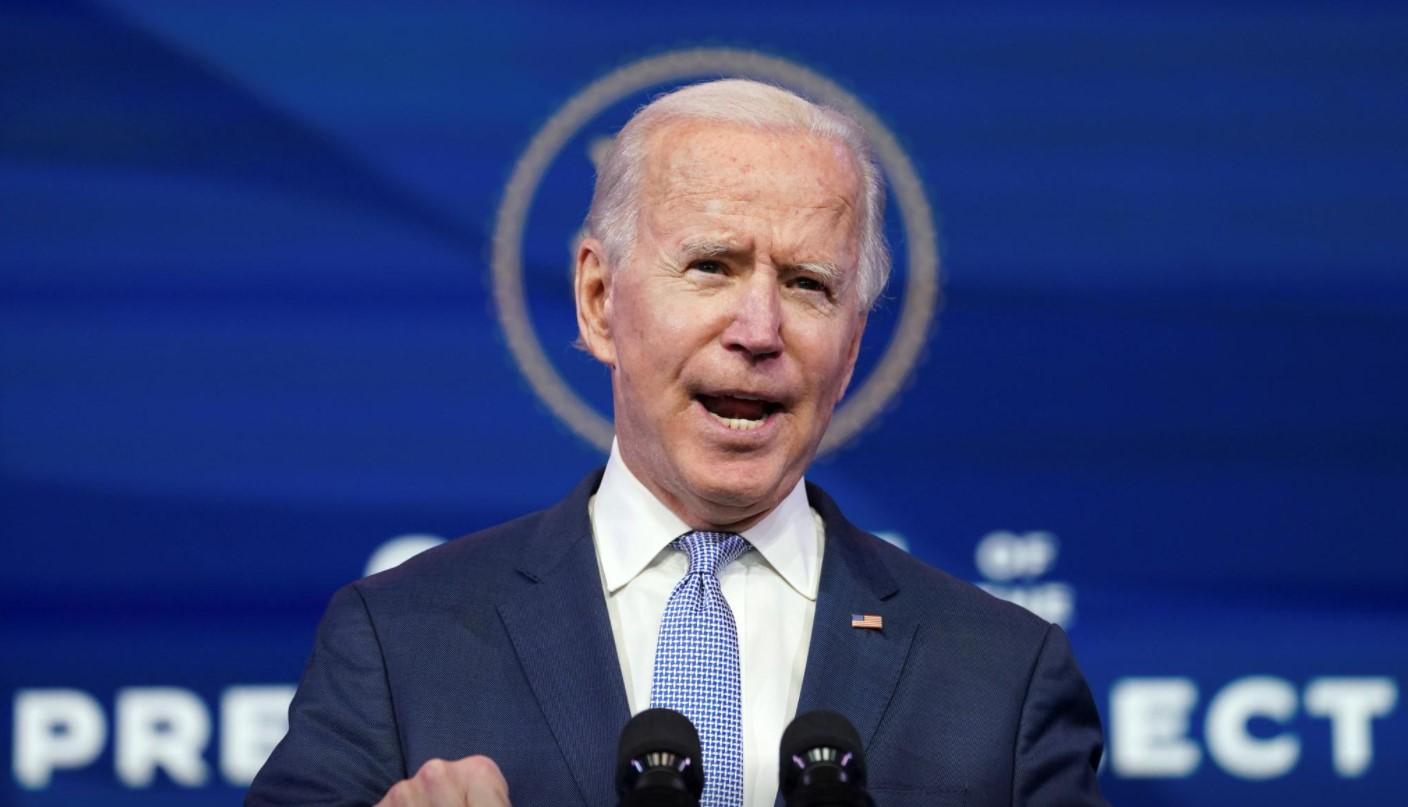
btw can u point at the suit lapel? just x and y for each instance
(560, 630)
(853, 671)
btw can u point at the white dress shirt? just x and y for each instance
(771, 591)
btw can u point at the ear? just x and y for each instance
(591, 287)
(852, 352)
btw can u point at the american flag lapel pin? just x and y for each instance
(868, 621)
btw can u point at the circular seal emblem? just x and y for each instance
(921, 291)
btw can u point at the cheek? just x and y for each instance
(648, 342)
(827, 363)
(666, 328)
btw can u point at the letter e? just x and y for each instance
(252, 721)
(1149, 727)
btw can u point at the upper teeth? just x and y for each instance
(741, 424)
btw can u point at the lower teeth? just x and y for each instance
(740, 424)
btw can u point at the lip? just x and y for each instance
(780, 401)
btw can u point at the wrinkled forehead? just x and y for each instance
(728, 160)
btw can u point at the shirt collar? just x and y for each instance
(632, 528)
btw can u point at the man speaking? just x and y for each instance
(734, 248)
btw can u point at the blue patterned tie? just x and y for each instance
(696, 663)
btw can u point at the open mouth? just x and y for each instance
(739, 412)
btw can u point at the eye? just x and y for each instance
(709, 267)
(806, 283)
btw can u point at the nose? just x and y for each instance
(755, 327)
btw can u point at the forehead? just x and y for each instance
(723, 168)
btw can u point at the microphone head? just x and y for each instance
(659, 751)
(820, 748)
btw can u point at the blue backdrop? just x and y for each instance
(248, 338)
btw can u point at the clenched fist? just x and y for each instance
(469, 782)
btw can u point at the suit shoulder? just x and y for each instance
(960, 602)
(928, 593)
(472, 565)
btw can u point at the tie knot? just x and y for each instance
(711, 551)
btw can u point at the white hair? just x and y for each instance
(615, 206)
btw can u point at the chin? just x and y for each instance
(741, 487)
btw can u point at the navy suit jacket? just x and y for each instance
(499, 644)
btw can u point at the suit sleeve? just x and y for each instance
(342, 746)
(1059, 741)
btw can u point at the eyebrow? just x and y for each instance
(706, 247)
(825, 270)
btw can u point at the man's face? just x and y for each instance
(732, 328)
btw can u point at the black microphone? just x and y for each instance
(822, 763)
(659, 763)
